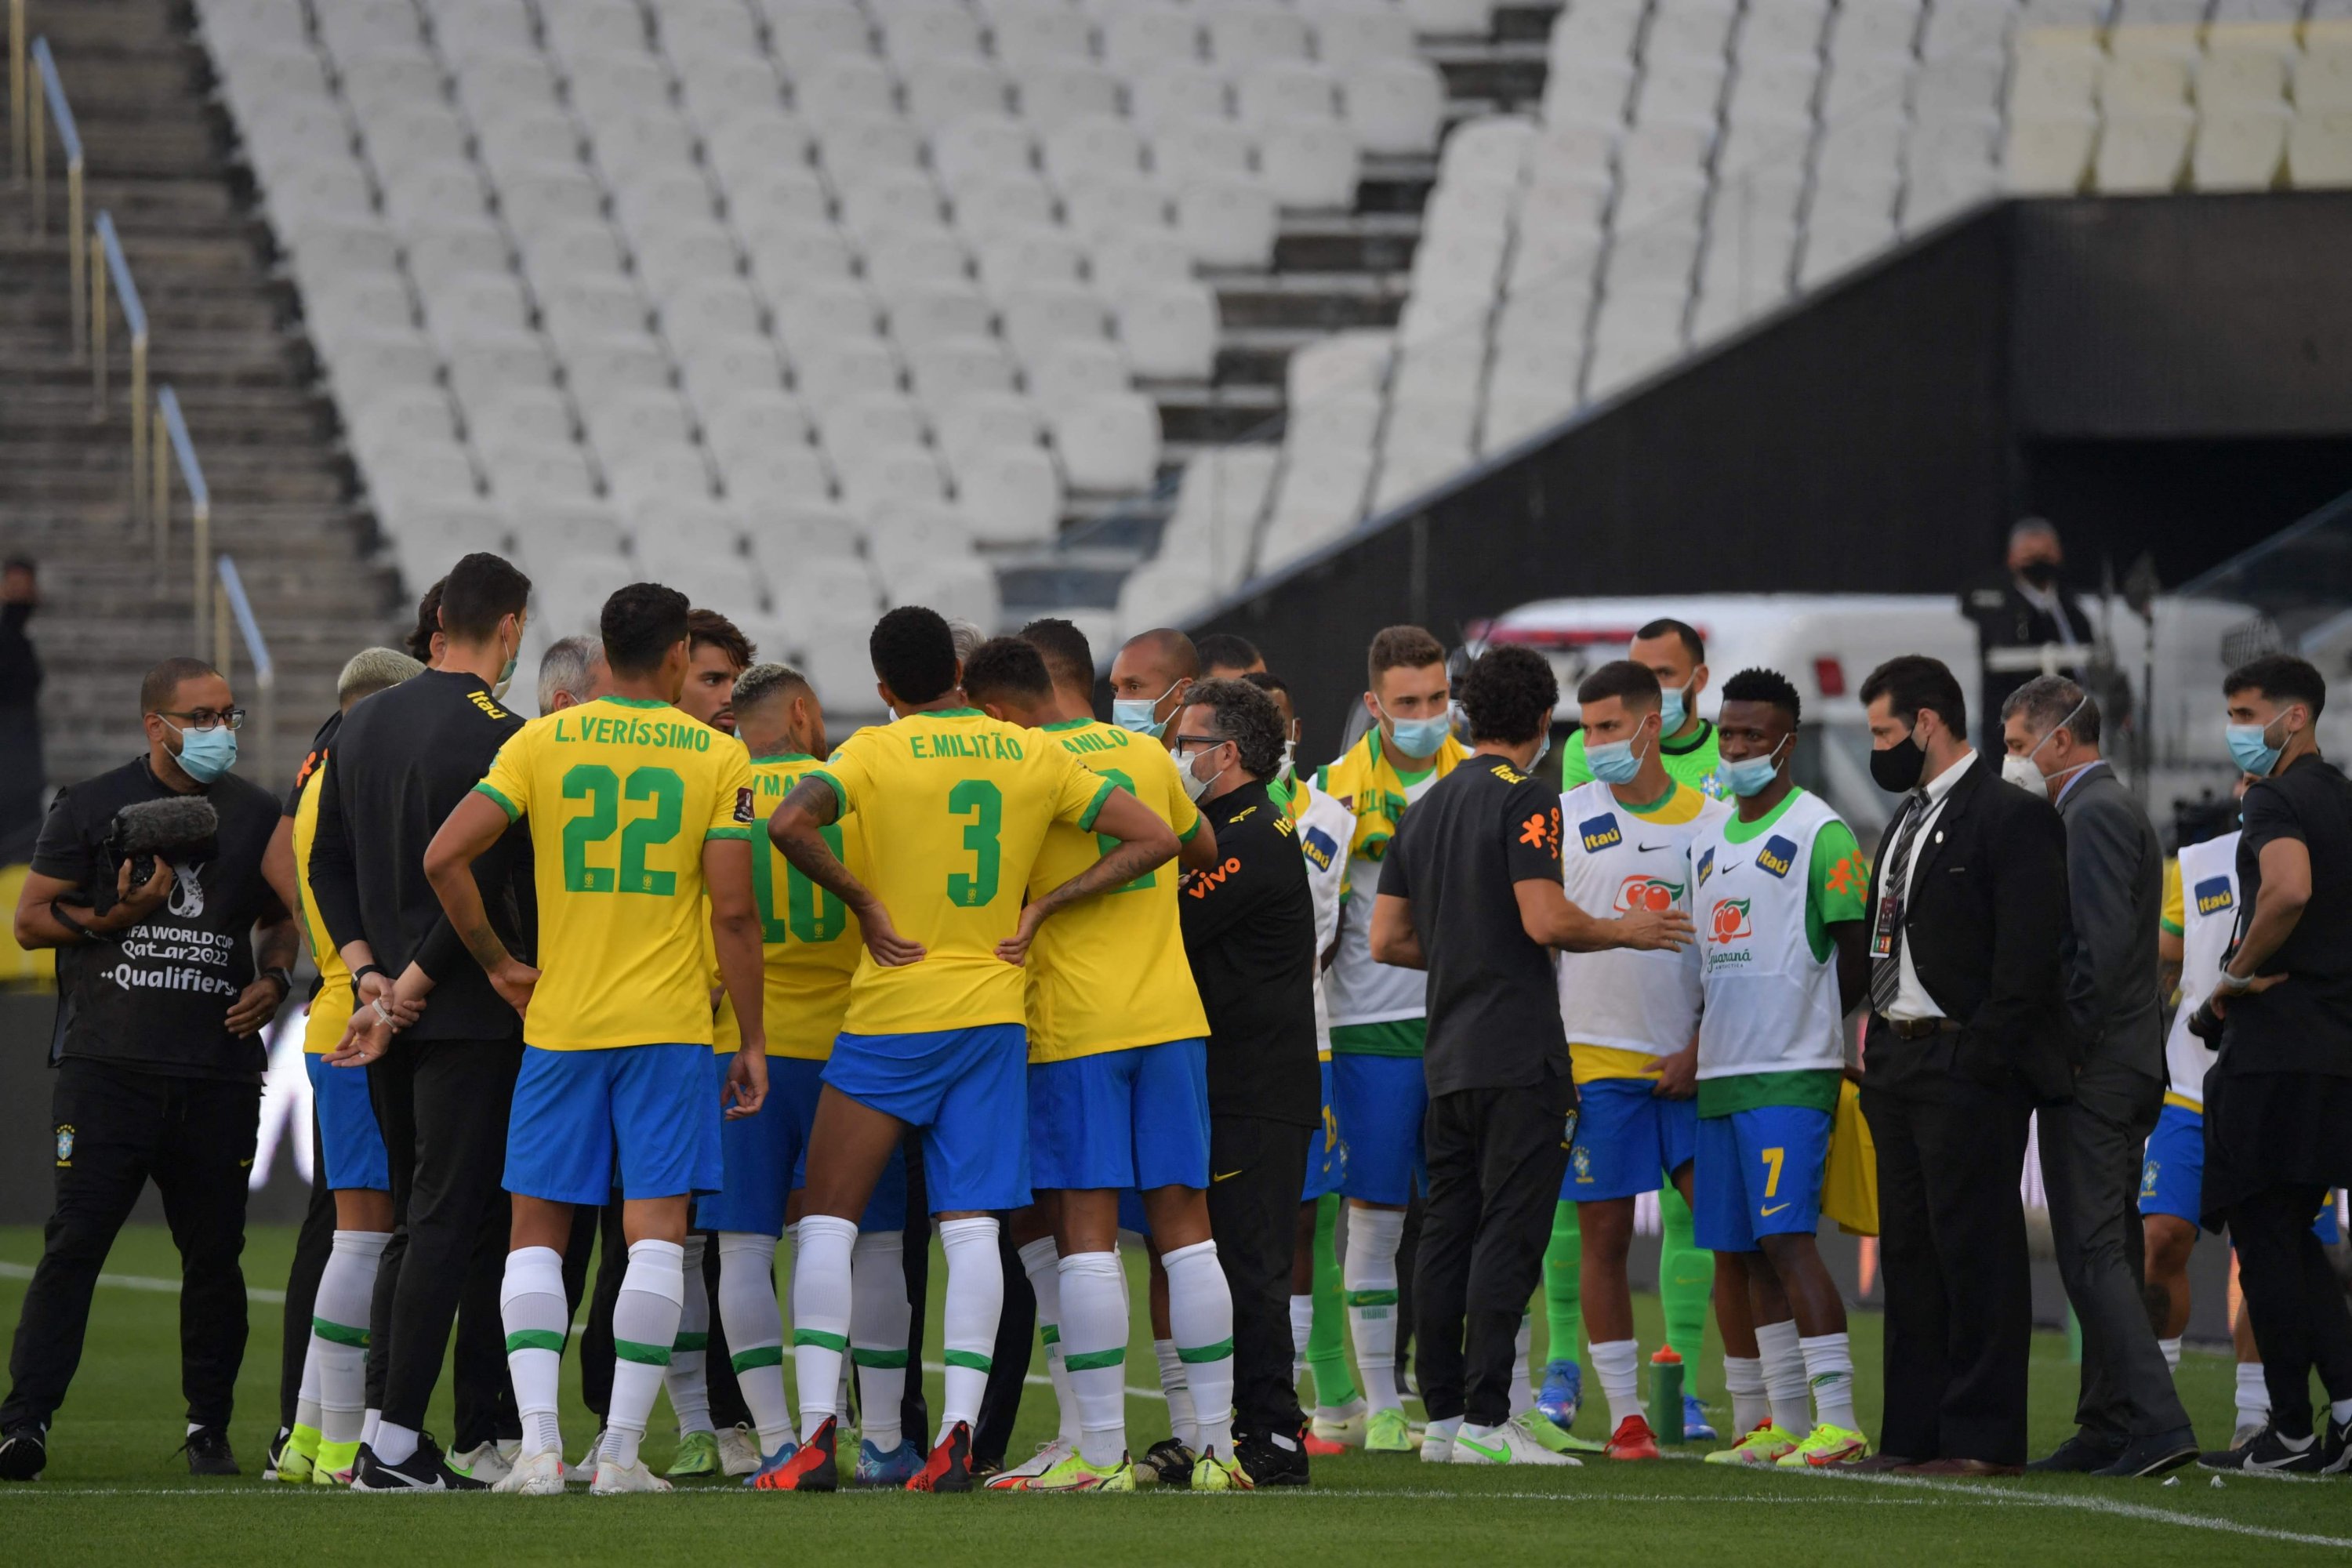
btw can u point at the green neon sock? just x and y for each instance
(1563, 1290)
(1686, 1284)
(1327, 1340)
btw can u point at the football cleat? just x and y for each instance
(332, 1466)
(1212, 1474)
(1631, 1440)
(808, 1468)
(1018, 1477)
(949, 1469)
(1697, 1427)
(1330, 1434)
(895, 1468)
(1562, 1394)
(1074, 1475)
(1170, 1462)
(612, 1479)
(290, 1455)
(1826, 1446)
(537, 1474)
(483, 1463)
(585, 1470)
(1548, 1437)
(697, 1456)
(1437, 1446)
(1509, 1444)
(1759, 1450)
(1388, 1431)
(739, 1450)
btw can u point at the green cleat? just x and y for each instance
(1074, 1475)
(1388, 1431)
(697, 1456)
(1551, 1437)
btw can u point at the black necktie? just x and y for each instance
(1886, 975)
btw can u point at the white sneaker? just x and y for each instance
(585, 1470)
(1505, 1444)
(612, 1479)
(510, 1449)
(1437, 1449)
(536, 1475)
(739, 1450)
(1047, 1456)
(484, 1463)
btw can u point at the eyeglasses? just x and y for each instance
(1203, 741)
(205, 719)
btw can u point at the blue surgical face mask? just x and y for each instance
(1614, 761)
(1670, 709)
(1750, 776)
(206, 754)
(1135, 713)
(1542, 751)
(1418, 737)
(2249, 748)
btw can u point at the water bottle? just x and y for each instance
(1667, 1395)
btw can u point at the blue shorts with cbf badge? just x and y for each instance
(2172, 1176)
(966, 1090)
(1136, 1118)
(348, 1133)
(1327, 1156)
(766, 1156)
(1759, 1174)
(1380, 1100)
(643, 1119)
(1628, 1141)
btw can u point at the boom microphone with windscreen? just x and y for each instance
(148, 828)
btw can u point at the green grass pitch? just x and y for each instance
(114, 1493)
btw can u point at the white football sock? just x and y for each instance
(2253, 1394)
(1523, 1389)
(1180, 1423)
(1043, 1267)
(879, 1318)
(1743, 1379)
(339, 1332)
(645, 1329)
(1368, 1275)
(306, 1398)
(822, 1303)
(532, 1308)
(1302, 1323)
(1616, 1364)
(1200, 1316)
(395, 1445)
(2171, 1349)
(1094, 1348)
(1784, 1377)
(1829, 1368)
(2339, 1410)
(368, 1427)
(685, 1379)
(755, 1333)
(975, 1299)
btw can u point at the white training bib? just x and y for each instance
(1324, 826)
(1771, 1007)
(1613, 860)
(1360, 990)
(2208, 919)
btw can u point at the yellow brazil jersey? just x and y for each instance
(1110, 973)
(331, 1007)
(810, 939)
(954, 807)
(621, 794)
(2174, 916)
(1590, 1063)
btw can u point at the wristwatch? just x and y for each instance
(2236, 985)
(285, 981)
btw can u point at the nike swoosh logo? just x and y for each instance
(1775, 1208)
(1652, 848)
(2279, 1464)
(1497, 1455)
(1225, 1176)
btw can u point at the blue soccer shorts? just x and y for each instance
(2172, 1174)
(1759, 1174)
(1136, 1118)
(1380, 1100)
(967, 1090)
(766, 1156)
(1628, 1140)
(1327, 1155)
(348, 1133)
(643, 1119)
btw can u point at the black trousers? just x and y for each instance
(1253, 1220)
(2299, 1315)
(1495, 1160)
(444, 1106)
(312, 1244)
(116, 1129)
(1952, 1245)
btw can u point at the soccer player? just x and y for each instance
(1673, 651)
(1781, 891)
(811, 943)
(1378, 1028)
(955, 808)
(1225, 657)
(1631, 1017)
(1119, 1094)
(1148, 679)
(650, 810)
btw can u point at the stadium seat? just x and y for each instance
(2240, 146)
(1108, 442)
(2319, 150)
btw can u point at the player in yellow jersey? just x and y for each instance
(955, 808)
(1119, 1096)
(636, 810)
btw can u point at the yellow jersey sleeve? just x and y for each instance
(1110, 974)
(2175, 918)
(508, 784)
(810, 939)
(331, 1005)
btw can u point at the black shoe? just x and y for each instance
(276, 1449)
(2269, 1455)
(208, 1452)
(24, 1450)
(1272, 1462)
(1171, 1462)
(2152, 1456)
(2077, 1455)
(422, 1471)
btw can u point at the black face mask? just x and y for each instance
(1898, 767)
(2041, 573)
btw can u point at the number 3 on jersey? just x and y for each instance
(810, 913)
(984, 803)
(603, 790)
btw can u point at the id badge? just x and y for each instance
(1890, 915)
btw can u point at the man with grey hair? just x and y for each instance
(571, 672)
(967, 636)
(2131, 1421)
(2027, 624)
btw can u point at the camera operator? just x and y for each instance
(164, 985)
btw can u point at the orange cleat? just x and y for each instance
(809, 1470)
(949, 1468)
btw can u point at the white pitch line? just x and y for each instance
(144, 1282)
(2109, 1506)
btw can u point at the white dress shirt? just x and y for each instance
(1912, 1001)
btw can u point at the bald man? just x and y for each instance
(1148, 679)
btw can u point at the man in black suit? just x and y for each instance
(2028, 624)
(2131, 1421)
(1967, 1032)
